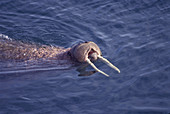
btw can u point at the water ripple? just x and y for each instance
(134, 35)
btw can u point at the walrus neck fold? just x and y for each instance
(64, 55)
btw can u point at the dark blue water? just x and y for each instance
(132, 34)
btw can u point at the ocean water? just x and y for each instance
(132, 34)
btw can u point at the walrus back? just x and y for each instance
(17, 50)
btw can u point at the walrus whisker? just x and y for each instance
(89, 62)
(108, 63)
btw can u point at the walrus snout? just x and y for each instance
(93, 56)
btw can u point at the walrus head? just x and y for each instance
(83, 51)
(87, 52)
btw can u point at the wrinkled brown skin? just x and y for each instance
(85, 50)
(16, 50)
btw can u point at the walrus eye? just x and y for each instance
(69, 53)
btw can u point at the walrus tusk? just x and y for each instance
(108, 63)
(88, 61)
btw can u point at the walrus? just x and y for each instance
(85, 52)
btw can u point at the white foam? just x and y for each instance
(5, 37)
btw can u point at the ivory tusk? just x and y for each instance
(88, 61)
(108, 63)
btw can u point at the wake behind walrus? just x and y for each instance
(81, 53)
